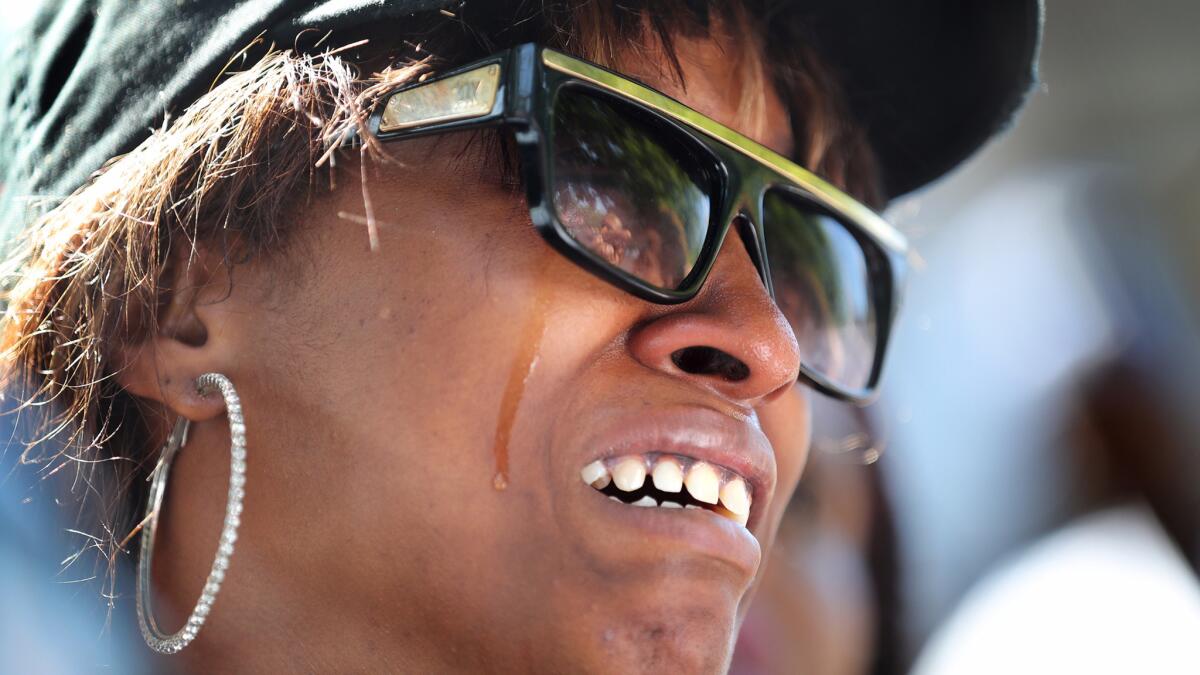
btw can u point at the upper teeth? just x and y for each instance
(705, 482)
(596, 475)
(735, 496)
(668, 475)
(629, 473)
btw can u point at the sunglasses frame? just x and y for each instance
(523, 92)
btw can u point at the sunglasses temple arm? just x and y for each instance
(476, 95)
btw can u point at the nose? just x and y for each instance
(730, 339)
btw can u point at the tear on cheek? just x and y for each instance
(523, 366)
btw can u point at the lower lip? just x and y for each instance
(697, 530)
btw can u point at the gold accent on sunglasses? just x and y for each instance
(814, 185)
(462, 96)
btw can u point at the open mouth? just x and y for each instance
(675, 482)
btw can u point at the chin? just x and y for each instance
(676, 634)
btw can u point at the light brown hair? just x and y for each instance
(89, 275)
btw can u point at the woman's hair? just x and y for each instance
(90, 276)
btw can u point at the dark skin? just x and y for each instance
(373, 539)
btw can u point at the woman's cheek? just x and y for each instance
(787, 422)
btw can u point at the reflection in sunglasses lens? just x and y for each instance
(822, 284)
(634, 194)
(625, 192)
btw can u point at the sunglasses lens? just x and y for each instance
(822, 282)
(628, 189)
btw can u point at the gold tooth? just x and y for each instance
(735, 517)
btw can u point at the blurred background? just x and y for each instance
(1037, 506)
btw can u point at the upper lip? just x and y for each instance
(698, 432)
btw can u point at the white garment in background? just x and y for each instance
(1107, 594)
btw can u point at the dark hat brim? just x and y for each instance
(930, 80)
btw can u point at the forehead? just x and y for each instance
(719, 81)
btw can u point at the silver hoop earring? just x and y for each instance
(155, 637)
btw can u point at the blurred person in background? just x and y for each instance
(450, 283)
(1113, 588)
(828, 599)
(1046, 485)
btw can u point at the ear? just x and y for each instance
(163, 367)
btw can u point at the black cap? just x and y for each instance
(86, 80)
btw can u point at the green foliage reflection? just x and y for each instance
(624, 192)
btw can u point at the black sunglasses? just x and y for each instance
(641, 191)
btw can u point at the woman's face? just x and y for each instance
(419, 416)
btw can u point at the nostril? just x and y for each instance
(710, 361)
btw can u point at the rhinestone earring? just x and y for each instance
(155, 637)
